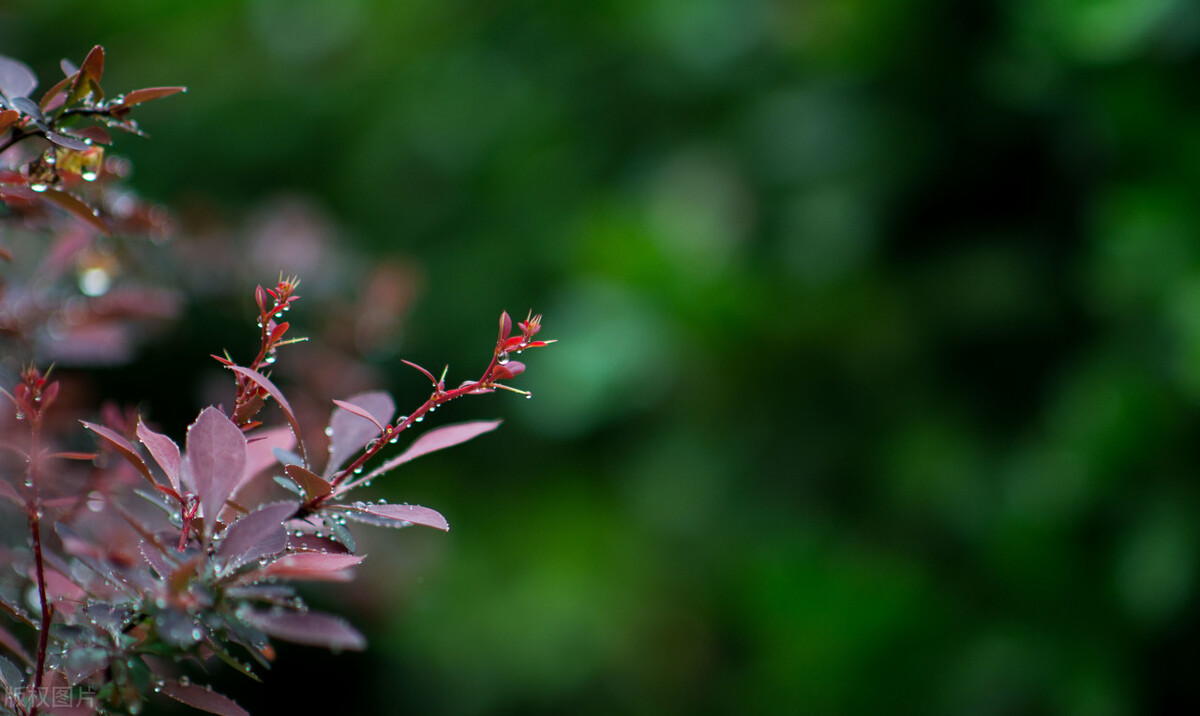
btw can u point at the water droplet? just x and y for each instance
(94, 281)
(50, 157)
(329, 432)
(185, 681)
(395, 439)
(502, 358)
(358, 470)
(262, 561)
(528, 396)
(419, 418)
(39, 186)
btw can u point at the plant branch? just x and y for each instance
(34, 509)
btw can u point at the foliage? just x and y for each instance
(133, 566)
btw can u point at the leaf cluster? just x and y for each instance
(153, 558)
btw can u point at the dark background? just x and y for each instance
(879, 322)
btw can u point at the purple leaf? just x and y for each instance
(123, 446)
(16, 79)
(163, 449)
(350, 430)
(352, 408)
(396, 515)
(257, 535)
(261, 447)
(263, 382)
(156, 559)
(312, 628)
(312, 543)
(216, 458)
(203, 698)
(436, 439)
(318, 566)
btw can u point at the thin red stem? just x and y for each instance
(34, 508)
(439, 397)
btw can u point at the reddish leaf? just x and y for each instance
(397, 515)
(98, 135)
(505, 326)
(436, 439)
(139, 96)
(92, 67)
(16, 79)
(257, 535)
(163, 449)
(316, 566)
(264, 383)
(314, 485)
(427, 373)
(352, 408)
(7, 118)
(57, 90)
(76, 208)
(354, 423)
(310, 628)
(216, 458)
(122, 446)
(511, 369)
(203, 698)
(74, 455)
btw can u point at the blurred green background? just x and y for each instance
(879, 322)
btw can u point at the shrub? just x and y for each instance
(124, 565)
